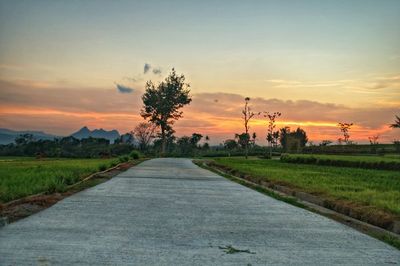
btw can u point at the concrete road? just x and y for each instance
(171, 212)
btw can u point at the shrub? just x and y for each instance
(123, 159)
(134, 155)
(102, 167)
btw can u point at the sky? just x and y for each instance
(67, 64)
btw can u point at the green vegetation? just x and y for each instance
(67, 147)
(23, 176)
(134, 155)
(354, 149)
(373, 189)
(368, 162)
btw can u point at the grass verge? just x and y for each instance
(21, 177)
(23, 207)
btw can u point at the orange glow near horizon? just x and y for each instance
(219, 127)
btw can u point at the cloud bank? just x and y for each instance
(25, 106)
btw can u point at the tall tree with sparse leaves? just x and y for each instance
(247, 116)
(271, 134)
(162, 103)
(345, 129)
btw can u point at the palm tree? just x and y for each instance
(396, 123)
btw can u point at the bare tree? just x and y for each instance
(345, 129)
(144, 133)
(247, 116)
(373, 140)
(271, 134)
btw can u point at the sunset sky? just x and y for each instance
(67, 64)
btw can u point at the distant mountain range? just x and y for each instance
(8, 136)
(96, 133)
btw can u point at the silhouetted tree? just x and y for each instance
(271, 128)
(206, 146)
(144, 133)
(325, 143)
(345, 129)
(247, 116)
(373, 140)
(293, 140)
(243, 140)
(127, 138)
(184, 145)
(195, 139)
(230, 144)
(282, 136)
(162, 103)
(253, 138)
(396, 123)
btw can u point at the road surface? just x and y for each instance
(171, 212)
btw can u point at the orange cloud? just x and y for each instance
(63, 110)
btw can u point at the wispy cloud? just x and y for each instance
(389, 84)
(123, 89)
(157, 71)
(146, 68)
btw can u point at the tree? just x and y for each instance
(293, 140)
(247, 116)
(24, 139)
(243, 140)
(195, 139)
(144, 133)
(253, 138)
(206, 146)
(282, 136)
(345, 129)
(162, 103)
(275, 137)
(396, 123)
(230, 144)
(325, 142)
(302, 136)
(184, 145)
(373, 140)
(271, 127)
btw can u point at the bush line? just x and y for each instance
(379, 165)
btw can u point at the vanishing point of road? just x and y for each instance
(171, 212)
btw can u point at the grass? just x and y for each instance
(367, 162)
(23, 176)
(353, 158)
(375, 189)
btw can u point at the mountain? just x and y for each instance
(96, 133)
(8, 136)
